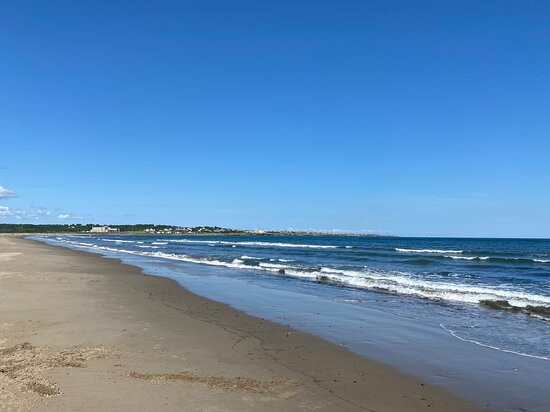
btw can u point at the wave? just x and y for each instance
(475, 342)
(160, 243)
(397, 249)
(245, 257)
(119, 241)
(86, 244)
(468, 257)
(253, 258)
(500, 253)
(455, 255)
(274, 244)
(407, 284)
(498, 259)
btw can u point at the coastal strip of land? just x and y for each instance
(82, 332)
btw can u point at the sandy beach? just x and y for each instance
(81, 332)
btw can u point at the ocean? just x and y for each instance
(469, 314)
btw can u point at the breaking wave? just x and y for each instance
(498, 259)
(397, 249)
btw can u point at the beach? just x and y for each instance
(81, 332)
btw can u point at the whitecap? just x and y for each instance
(427, 250)
(468, 257)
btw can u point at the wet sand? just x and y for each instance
(81, 332)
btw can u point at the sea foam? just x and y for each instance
(397, 249)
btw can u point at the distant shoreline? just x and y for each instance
(144, 229)
(23, 234)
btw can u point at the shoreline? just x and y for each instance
(138, 233)
(145, 339)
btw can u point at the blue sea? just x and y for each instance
(469, 314)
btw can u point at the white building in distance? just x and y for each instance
(103, 229)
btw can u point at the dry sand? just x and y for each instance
(81, 332)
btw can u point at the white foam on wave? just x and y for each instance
(497, 258)
(397, 249)
(407, 284)
(468, 257)
(274, 244)
(475, 342)
(265, 258)
(119, 241)
(160, 243)
(252, 258)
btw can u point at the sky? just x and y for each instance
(425, 118)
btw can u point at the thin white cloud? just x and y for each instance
(35, 213)
(6, 194)
(6, 212)
(65, 216)
(43, 212)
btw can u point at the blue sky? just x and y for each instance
(412, 118)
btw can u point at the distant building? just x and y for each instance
(103, 229)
